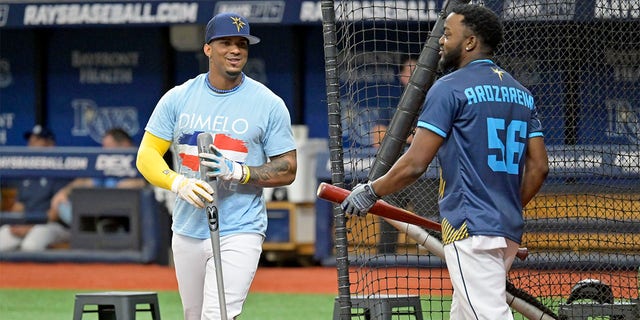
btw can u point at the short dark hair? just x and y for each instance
(483, 22)
(119, 135)
(407, 57)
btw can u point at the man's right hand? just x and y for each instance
(193, 191)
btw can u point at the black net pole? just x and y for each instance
(336, 152)
(412, 98)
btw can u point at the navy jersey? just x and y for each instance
(485, 117)
(36, 193)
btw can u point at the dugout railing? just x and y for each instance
(139, 224)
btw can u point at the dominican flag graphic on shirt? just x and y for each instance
(231, 148)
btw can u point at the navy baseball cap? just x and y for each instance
(229, 25)
(39, 131)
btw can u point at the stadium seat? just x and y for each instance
(585, 311)
(116, 305)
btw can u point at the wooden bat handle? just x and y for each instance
(382, 208)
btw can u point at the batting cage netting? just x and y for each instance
(581, 61)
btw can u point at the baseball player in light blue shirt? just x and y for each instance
(253, 147)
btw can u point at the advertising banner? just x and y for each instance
(101, 78)
(27, 14)
(67, 162)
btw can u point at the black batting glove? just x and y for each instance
(360, 201)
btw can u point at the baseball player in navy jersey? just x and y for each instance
(253, 147)
(483, 125)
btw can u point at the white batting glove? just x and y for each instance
(192, 191)
(220, 166)
(360, 201)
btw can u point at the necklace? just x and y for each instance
(222, 91)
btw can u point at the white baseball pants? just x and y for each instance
(196, 274)
(478, 268)
(39, 238)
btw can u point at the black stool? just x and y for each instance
(116, 305)
(584, 311)
(382, 307)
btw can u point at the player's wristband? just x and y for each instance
(246, 174)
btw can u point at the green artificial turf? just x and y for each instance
(26, 304)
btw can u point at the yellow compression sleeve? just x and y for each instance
(150, 161)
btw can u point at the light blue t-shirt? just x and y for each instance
(249, 125)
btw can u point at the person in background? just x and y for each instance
(421, 197)
(112, 139)
(407, 66)
(33, 196)
(493, 161)
(57, 229)
(253, 148)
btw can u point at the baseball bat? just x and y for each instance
(381, 208)
(384, 209)
(516, 299)
(204, 141)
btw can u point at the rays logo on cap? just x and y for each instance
(229, 25)
(237, 21)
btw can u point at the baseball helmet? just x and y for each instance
(591, 289)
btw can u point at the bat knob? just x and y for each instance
(522, 253)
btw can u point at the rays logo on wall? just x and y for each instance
(4, 14)
(624, 120)
(91, 120)
(5, 73)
